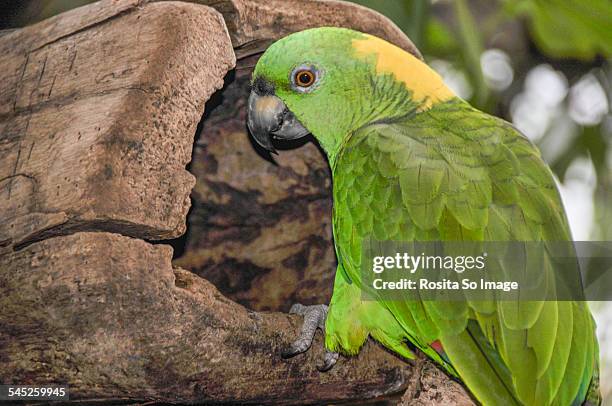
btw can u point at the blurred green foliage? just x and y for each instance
(562, 28)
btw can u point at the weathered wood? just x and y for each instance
(126, 325)
(253, 24)
(98, 113)
(431, 387)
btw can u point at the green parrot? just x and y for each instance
(411, 161)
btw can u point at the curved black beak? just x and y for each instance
(269, 118)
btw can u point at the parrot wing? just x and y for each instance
(453, 173)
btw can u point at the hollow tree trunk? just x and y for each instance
(98, 111)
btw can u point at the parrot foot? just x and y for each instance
(314, 317)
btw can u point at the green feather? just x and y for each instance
(523, 348)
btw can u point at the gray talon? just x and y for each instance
(314, 317)
(329, 360)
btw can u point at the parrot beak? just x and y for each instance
(269, 118)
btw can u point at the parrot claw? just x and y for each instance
(329, 360)
(314, 317)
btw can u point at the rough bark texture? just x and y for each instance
(97, 114)
(127, 325)
(254, 24)
(98, 110)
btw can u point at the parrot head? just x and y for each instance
(331, 81)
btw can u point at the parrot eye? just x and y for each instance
(304, 78)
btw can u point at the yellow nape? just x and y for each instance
(426, 85)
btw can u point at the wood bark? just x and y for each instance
(98, 111)
(254, 24)
(126, 325)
